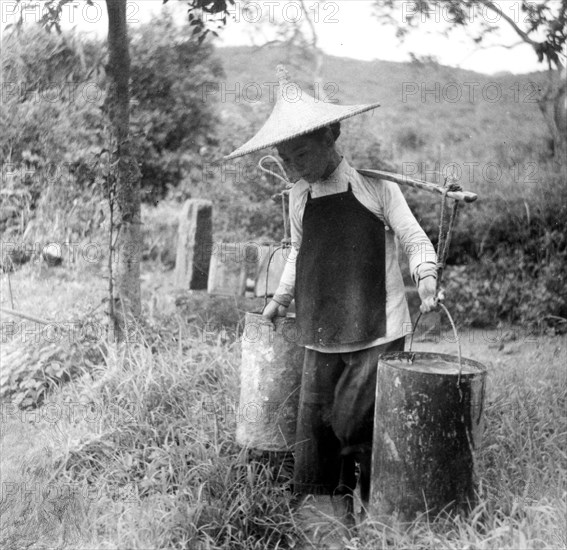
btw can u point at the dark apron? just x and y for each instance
(340, 299)
(340, 291)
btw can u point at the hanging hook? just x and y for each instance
(282, 194)
(288, 183)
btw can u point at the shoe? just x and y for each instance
(329, 522)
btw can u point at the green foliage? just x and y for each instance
(53, 124)
(530, 20)
(513, 256)
(202, 14)
(410, 138)
(363, 148)
(53, 191)
(50, 123)
(35, 366)
(171, 119)
(509, 285)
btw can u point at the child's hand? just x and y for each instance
(273, 309)
(427, 289)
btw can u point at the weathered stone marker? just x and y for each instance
(194, 244)
(227, 275)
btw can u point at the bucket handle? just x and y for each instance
(281, 247)
(457, 339)
(286, 240)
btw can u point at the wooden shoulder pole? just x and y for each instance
(466, 196)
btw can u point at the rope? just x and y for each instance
(284, 214)
(443, 244)
(444, 239)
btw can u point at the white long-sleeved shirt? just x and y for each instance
(385, 200)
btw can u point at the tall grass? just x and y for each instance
(148, 458)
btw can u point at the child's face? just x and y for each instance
(306, 157)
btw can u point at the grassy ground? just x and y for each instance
(139, 450)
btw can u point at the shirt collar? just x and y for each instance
(341, 172)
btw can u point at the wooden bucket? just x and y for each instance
(427, 424)
(270, 381)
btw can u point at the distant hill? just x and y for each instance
(428, 111)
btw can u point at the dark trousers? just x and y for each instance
(336, 419)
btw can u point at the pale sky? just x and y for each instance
(345, 28)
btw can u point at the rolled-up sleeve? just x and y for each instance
(286, 288)
(398, 216)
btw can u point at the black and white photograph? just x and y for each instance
(283, 274)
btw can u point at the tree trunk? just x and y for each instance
(553, 107)
(560, 114)
(126, 306)
(426, 427)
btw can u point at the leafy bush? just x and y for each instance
(509, 286)
(50, 132)
(410, 138)
(172, 117)
(33, 367)
(54, 128)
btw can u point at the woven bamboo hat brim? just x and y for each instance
(296, 113)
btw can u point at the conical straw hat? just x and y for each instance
(296, 113)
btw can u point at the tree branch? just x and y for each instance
(523, 35)
(488, 47)
(314, 44)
